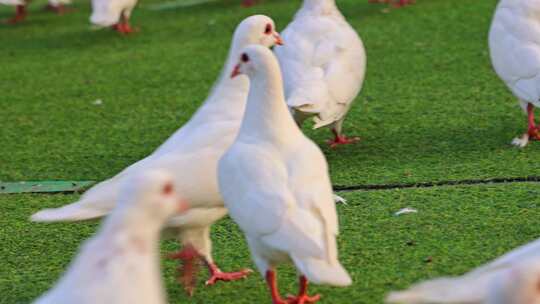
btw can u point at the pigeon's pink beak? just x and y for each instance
(236, 71)
(182, 206)
(279, 40)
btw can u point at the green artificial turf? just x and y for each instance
(431, 108)
(457, 228)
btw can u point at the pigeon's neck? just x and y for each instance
(319, 7)
(267, 116)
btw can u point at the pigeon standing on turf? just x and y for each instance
(513, 278)
(275, 183)
(113, 13)
(323, 62)
(192, 154)
(514, 42)
(121, 263)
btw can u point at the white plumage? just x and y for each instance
(511, 279)
(514, 42)
(191, 154)
(121, 263)
(12, 2)
(111, 12)
(275, 182)
(323, 62)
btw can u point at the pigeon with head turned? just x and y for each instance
(275, 183)
(195, 148)
(323, 62)
(113, 13)
(120, 264)
(514, 43)
(513, 278)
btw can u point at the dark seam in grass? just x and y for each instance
(465, 182)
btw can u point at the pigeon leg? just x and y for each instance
(20, 15)
(217, 275)
(123, 26)
(339, 138)
(303, 297)
(189, 267)
(533, 131)
(401, 3)
(59, 9)
(272, 285)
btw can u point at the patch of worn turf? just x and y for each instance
(456, 228)
(431, 109)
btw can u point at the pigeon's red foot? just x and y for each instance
(401, 3)
(19, 16)
(189, 266)
(303, 299)
(248, 3)
(124, 28)
(342, 140)
(534, 133)
(217, 275)
(59, 9)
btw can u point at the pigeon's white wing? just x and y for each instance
(514, 42)
(254, 186)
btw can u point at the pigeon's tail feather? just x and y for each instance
(322, 272)
(443, 291)
(95, 203)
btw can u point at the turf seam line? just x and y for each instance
(465, 182)
(81, 186)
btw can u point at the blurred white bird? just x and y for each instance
(120, 264)
(514, 42)
(113, 13)
(58, 6)
(191, 154)
(275, 183)
(513, 278)
(323, 62)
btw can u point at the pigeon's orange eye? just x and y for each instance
(245, 57)
(268, 29)
(168, 189)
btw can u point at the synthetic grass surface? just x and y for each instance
(431, 109)
(457, 228)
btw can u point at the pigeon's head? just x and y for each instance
(518, 285)
(253, 59)
(153, 194)
(258, 29)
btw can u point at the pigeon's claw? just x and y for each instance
(248, 3)
(217, 275)
(342, 140)
(303, 299)
(19, 16)
(401, 3)
(189, 266)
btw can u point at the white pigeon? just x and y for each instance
(120, 264)
(513, 278)
(58, 6)
(275, 183)
(323, 62)
(113, 13)
(192, 154)
(514, 42)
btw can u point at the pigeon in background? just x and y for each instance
(513, 278)
(514, 43)
(194, 149)
(323, 62)
(275, 183)
(120, 264)
(59, 6)
(113, 13)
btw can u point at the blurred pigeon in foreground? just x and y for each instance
(275, 183)
(514, 42)
(192, 154)
(120, 264)
(323, 62)
(113, 13)
(513, 278)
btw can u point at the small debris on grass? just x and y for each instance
(429, 259)
(97, 102)
(339, 200)
(405, 211)
(411, 243)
